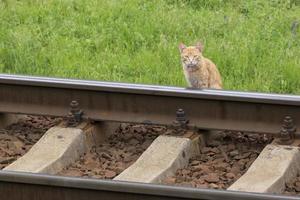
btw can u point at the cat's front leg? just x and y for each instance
(197, 86)
(194, 82)
(192, 88)
(203, 84)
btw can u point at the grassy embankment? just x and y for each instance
(252, 42)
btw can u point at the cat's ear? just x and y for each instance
(181, 47)
(199, 46)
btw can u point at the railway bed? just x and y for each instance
(163, 143)
(108, 159)
(17, 138)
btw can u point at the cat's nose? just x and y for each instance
(190, 65)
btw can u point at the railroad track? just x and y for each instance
(16, 185)
(189, 110)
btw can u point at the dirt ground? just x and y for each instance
(293, 187)
(120, 150)
(222, 162)
(18, 138)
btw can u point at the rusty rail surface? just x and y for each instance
(122, 102)
(27, 186)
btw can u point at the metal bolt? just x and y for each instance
(181, 119)
(180, 115)
(75, 114)
(74, 105)
(287, 132)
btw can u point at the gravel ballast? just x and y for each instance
(16, 139)
(222, 162)
(119, 151)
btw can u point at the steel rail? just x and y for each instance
(28, 186)
(123, 102)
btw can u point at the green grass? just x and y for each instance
(251, 41)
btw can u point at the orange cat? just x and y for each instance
(199, 71)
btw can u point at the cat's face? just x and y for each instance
(191, 56)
